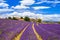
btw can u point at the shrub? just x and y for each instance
(27, 18)
(39, 20)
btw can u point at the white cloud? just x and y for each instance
(53, 1)
(47, 1)
(4, 7)
(3, 4)
(24, 4)
(20, 7)
(2, 1)
(30, 14)
(27, 2)
(9, 15)
(41, 7)
(38, 2)
(6, 10)
(52, 17)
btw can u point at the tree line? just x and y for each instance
(26, 18)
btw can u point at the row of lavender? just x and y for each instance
(48, 31)
(10, 28)
(29, 34)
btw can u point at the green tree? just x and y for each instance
(21, 17)
(14, 18)
(58, 22)
(9, 18)
(27, 18)
(39, 20)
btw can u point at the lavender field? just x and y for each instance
(22, 30)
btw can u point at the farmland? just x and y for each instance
(22, 30)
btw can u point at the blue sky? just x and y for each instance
(55, 7)
(32, 8)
